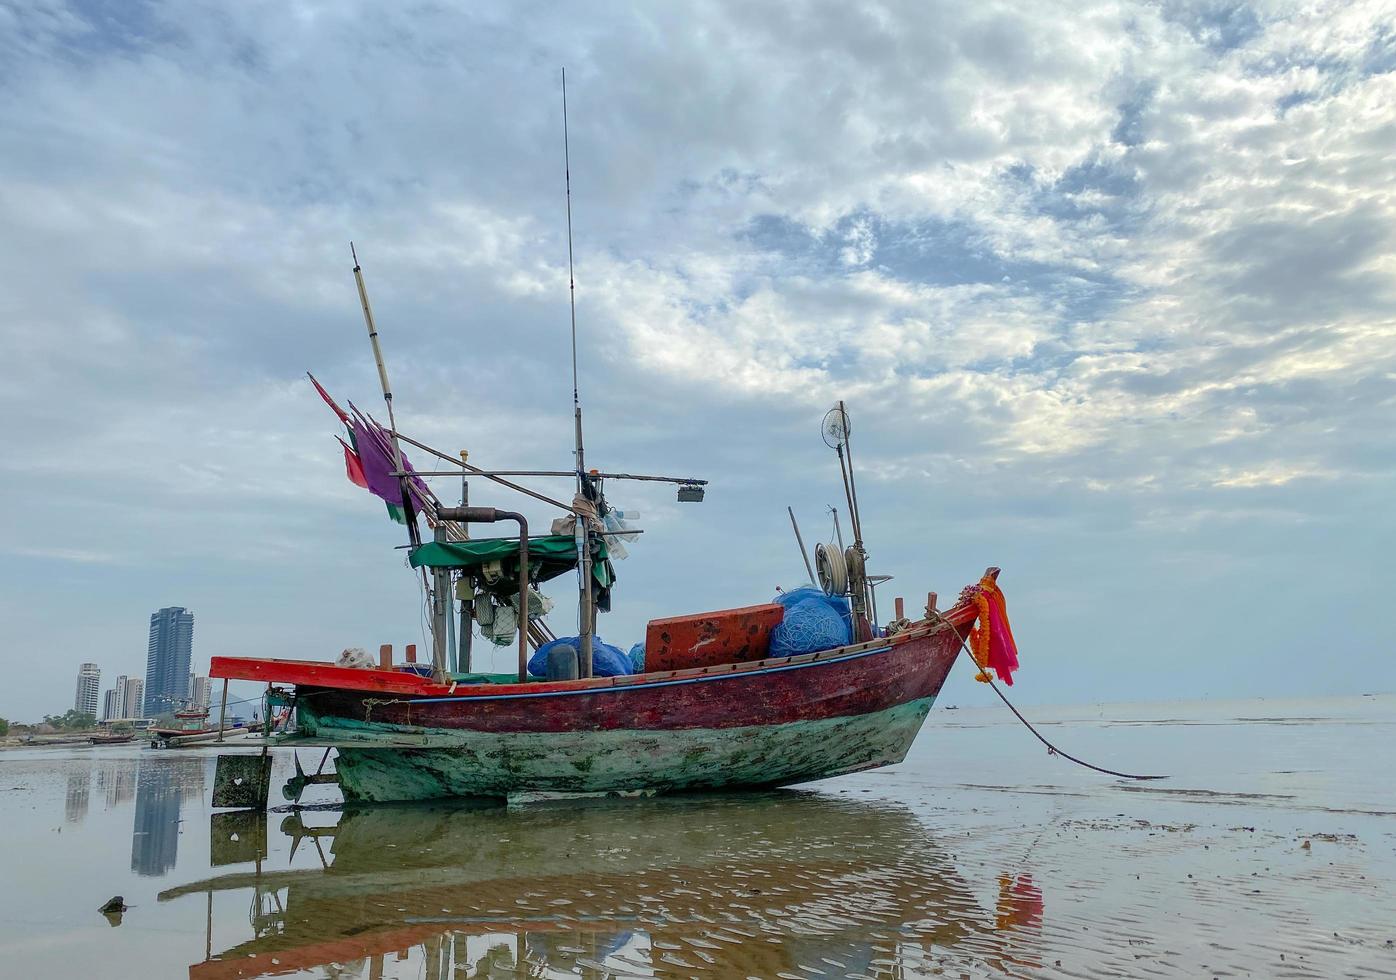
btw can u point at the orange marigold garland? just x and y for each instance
(979, 637)
(991, 641)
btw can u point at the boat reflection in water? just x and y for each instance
(728, 886)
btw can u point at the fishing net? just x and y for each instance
(813, 622)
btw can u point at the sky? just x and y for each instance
(1109, 290)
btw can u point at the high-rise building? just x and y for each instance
(111, 705)
(200, 692)
(133, 700)
(167, 660)
(89, 689)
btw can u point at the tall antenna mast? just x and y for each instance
(572, 286)
(586, 613)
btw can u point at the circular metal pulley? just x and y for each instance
(829, 565)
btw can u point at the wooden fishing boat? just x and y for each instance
(118, 738)
(187, 721)
(769, 722)
(718, 703)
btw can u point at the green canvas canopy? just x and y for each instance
(549, 555)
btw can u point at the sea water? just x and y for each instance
(1270, 851)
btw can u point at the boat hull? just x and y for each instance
(787, 722)
(466, 763)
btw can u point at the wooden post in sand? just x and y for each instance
(222, 713)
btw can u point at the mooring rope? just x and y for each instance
(1051, 749)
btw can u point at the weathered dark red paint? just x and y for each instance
(912, 665)
(806, 691)
(725, 637)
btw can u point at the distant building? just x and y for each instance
(120, 688)
(133, 698)
(111, 705)
(167, 659)
(200, 692)
(89, 689)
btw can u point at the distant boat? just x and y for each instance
(116, 738)
(191, 725)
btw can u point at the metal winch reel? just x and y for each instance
(840, 571)
(831, 568)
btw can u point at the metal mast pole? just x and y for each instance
(586, 607)
(801, 542)
(467, 627)
(857, 519)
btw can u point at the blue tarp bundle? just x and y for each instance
(606, 660)
(813, 621)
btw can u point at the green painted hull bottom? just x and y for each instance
(498, 765)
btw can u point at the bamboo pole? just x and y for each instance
(408, 509)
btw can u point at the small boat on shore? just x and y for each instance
(722, 701)
(187, 721)
(808, 686)
(768, 722)
(115, 738)
(191, 727)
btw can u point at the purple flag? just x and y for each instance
(375, 449)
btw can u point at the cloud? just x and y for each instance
(1098, 287)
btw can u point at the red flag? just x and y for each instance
(343, 417)
(353, 468)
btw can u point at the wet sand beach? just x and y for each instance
(1270, 852)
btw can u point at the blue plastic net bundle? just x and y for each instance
(606, 660)
(813, 622)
